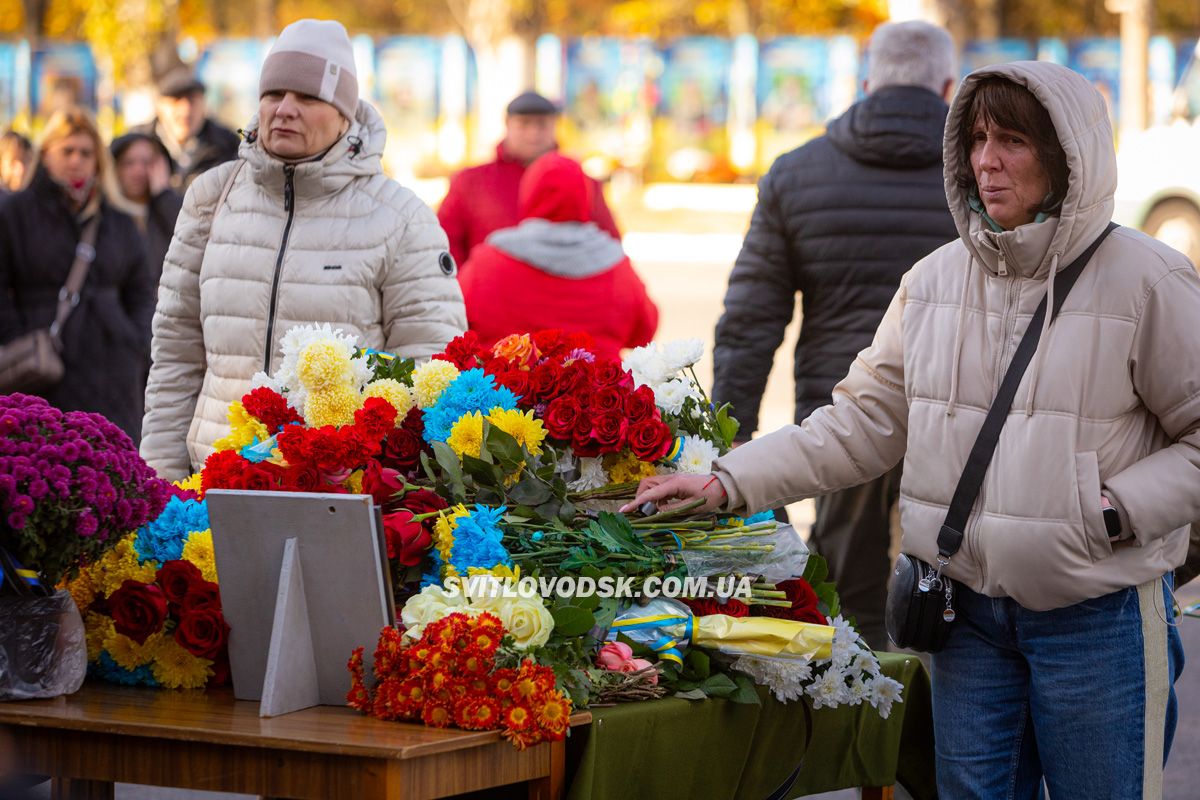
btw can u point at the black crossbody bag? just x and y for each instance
(920, 601)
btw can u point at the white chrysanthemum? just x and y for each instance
(592, 476)
(884, 692)
(682, 353)
(566, 462)
(648, 366)
(785, 677)
(829, 690)
(697, 455)
(671, 395)
(859, 691)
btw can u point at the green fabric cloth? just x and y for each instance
(674, 748)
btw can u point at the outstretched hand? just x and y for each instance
(670, 492)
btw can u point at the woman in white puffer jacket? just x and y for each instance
(303, 228)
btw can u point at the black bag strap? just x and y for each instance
(950, 537)
(68, 295)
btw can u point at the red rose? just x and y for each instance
(517, 382)
(609, 430)
(262, 477)
(804, 603)
(407, 540)
(650, 439)
(205, 594)
(304, 478)
(639, 404)
(583, 438)
(423, 501)
(708, 606)
(138, 610)
(561, 416)
(202, 633)
(544, 381)
(403, 446)
(609, 372)
(549, 342)
(220, 668)
(382, 483)
(176, 578)
(608, 400)
(576, 378)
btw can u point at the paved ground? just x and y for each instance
(686, 276)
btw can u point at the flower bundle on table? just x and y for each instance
(449, 676)
(71, 484)
(151, 605)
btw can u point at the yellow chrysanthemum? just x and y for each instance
(430, 380)
(499, 571)
(323, 365)
(443, 530)
(334, 406)
(98, 629)
(129, 654)
(626, 467)
(353, 484)
(394, 392)
(466, 436)
(198, 549)
(176, 668)
(82, 589)
(243, 429)
(192, 482)
(521, 426)
(119, 565)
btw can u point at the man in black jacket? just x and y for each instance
(195, 143)
(840, 220)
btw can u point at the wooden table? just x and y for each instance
(104, 734)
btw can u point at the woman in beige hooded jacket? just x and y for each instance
(1061, 661)
(302, 228)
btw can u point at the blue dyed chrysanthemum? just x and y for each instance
(162, 540)
(473, 390)
(108, 670)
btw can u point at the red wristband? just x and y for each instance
(710, 483)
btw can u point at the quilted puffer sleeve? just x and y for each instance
(177, 346)
(422, 303)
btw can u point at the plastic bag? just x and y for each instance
(43, 649)
(786, 561)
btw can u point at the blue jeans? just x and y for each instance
(1081, 697)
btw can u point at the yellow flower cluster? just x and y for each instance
(129, 654)
(323, 365)
(176, 668)
(430, 380)
(625, 467)
(198, 549)
(243, 429)
(107, 573)
(192, 482)
(443, 533)
(521, 426)
(395, 392)
(333, 406)
(466, 437)
(98, 628)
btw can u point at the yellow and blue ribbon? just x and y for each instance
(666, 647)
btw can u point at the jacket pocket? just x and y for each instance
(1087, 481)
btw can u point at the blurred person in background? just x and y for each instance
(839, 221)
(304, 228)
(194, 142)
(556, 268)
(16, 156)
(143, 170)
(483, 199)
(106, 338)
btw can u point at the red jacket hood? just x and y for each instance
(555, 188)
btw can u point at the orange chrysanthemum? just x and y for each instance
(437, 715)
(517, 717)
(554, 715)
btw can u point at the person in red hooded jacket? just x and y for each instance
(556, 269)
(483, 199)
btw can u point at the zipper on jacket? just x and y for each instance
(289, 205)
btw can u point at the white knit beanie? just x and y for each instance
(313, 57)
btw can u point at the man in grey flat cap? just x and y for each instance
(483, 199)
(195, 142)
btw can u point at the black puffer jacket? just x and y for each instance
(839, 220)
(107, 338)
(213, 145)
